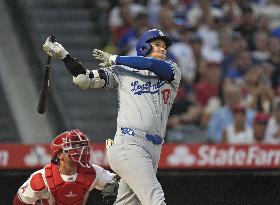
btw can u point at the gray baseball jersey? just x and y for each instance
(144, 105)
(144, 100)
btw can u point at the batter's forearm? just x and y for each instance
(74, 66)
(83, 77)
(161, 68)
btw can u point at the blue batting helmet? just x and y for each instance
(143, 46)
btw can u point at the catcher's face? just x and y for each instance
(158, 49)
(78, 152)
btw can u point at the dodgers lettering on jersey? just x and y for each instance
(138, 88)
(144, 100)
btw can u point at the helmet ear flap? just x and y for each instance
(143, 49)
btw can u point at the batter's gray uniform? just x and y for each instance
(144, 105)
(145, 101)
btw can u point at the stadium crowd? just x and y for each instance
(229, 52)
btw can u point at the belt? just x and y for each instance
(155, 139)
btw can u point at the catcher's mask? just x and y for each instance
(75, 144)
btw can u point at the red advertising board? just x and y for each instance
(174, 156)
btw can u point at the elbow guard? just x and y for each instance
(92, 79)
(82, 81)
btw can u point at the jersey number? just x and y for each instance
(165, 95)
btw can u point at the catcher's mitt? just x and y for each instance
(110, 190)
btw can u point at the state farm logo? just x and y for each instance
(224, 156)
(237, 156)
(37, 156)
(181, 156)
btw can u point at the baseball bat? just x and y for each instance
(42, 104)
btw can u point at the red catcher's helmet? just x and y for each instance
(75, 144)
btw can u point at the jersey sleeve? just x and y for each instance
(177, 74)
(112, 78)
(102, 177)
(33, 189)
(161, 68)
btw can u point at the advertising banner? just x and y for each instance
(174, 156)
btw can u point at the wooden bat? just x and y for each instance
(42, 104)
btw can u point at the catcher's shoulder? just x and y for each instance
(37, 182)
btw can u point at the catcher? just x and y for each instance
(69, 178)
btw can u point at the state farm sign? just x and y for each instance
(221, 156)
(252, 155)
(174, 156)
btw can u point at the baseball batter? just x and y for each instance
(69, 178)
(147, 85)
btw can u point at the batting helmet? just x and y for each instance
(144, 47)
(75, 144)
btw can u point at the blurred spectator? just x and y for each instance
(103, 8)
(231, 45)
(272, 133)
(226, 46)
(261, 41)
(238, 132)
(196, 45)
(184, 56)
(259, 127)
(263, 98)
(239, 42)
(243, 62)
(274, 48)
(127, 42)
(263, 23)
(247, 26)
(272, 11)
(233, 10)
(201, 10)
(153, 8)
(251, 82)
(209, 24)
(183, 122)
(166, 19)
(121, 17)
(274, 60)
(209, 85)
(184, 112)
(223, 116)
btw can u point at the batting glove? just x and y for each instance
(54, 49)
(108, 59)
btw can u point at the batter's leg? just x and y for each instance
(126, 195)
(133, 163)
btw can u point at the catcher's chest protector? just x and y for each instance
(69, 193)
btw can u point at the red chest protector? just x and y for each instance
(69, 193)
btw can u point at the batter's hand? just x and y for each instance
(54, 49)
(107, 58)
